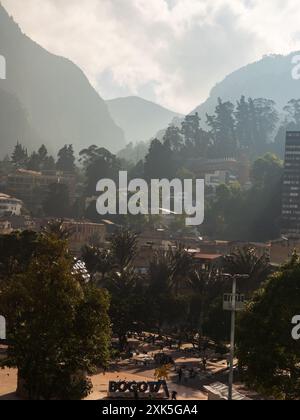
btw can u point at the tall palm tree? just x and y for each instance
(57, 228)
(97, 261)
(247, 261)
(122, 286)
(160, 273)
(124, 248)
(203, 282)
(181, 263)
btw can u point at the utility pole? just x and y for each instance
(232, 339)
(233, 303)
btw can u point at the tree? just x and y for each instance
(222, 130)
(123, 283)
(291, 122)
(196, 140)
(49, 164)
(182, 263)
(33, 163)
(57, 202)
(264, 117)
(158, 293)
(98, 163)
(42, 154)
(40, 161)
(249, 215)
(245, 126)
(159, 163)
(66, 159)
(19, 156)
(125, 298)
(267, 354)
(16, 251)
(98, 261)
(58, 325)
(56, 228)
(124, 248)
(264, 199)
(174, 139)
(246, 261)
(267, 171)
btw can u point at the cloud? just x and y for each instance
(170, 51)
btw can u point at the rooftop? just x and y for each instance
(8, 197)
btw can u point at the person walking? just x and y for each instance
(174, 395)
(180, 375)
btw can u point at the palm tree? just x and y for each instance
(160, 273)
(124, 248)
(181, 263)
(246, 261)
(58, 228)
(97, 261)
(124, 308)
(202, 282)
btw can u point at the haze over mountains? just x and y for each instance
(48, 99)
(140, 119)
(270, 78)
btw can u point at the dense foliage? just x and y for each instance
(268, 355)
(58, 327)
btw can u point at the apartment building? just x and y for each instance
(291, 186)
(24, 184)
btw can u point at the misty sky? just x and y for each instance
(168, 51)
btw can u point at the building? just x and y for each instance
(10, 206)
(283, 249)
(22, 223)
(84, 233)
(221, 171)
(291, 186)
(24, 184)
(216, 178)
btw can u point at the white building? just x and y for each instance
(216, 178)
(10, 205)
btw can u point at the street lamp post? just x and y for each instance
(232, 339)
(233, 308)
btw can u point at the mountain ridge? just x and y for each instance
(61, 104)
(270, 78)
(140, 118)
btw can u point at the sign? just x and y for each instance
(2, 328)
(142, 390)
(228, 302)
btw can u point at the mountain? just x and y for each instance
(14, 124)
(140, 119)
(270, 77)
(58, 101)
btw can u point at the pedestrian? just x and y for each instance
(180, 375)
(174, 395)
(186, 376)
